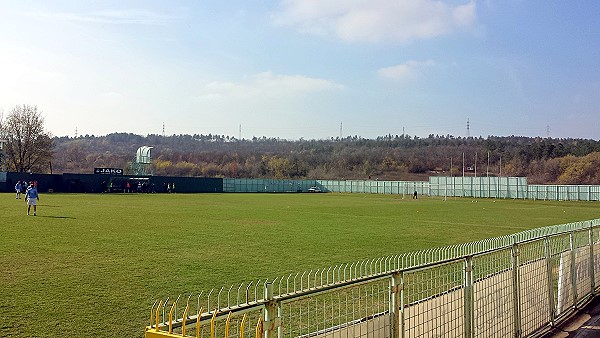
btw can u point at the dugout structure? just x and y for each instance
(141, 163)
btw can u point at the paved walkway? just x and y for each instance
(585, 324)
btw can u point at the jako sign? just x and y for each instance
(108, 171)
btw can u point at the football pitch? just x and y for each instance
(93, 264)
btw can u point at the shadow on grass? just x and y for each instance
(59, 217)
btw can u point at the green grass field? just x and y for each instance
(91, 265)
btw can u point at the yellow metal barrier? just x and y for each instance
(161, 334)
(155, 332)
(242, 325)
(184, 319)
(259, 328)
(171, 318)
(158, 314)
(227, 322)
(212, 324)
(198, 322)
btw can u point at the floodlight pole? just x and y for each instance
(487, 170)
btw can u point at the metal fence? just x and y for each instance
(484, 187)
(376, 187)
(518, 285)
(564, 192)
(475, 187)
(265, 185)
(458, 186)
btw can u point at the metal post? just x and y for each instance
(395, 286)
(516, 288)
(573, 269)
(402, 302)
(469, 299)
(592, 263)
(551, 304)
(271, 318)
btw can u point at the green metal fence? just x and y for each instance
(376, 187)
(484, 187)
(475, 187)
(266, 185)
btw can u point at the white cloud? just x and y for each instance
(266, 84)
(406, 71)
(376, 20)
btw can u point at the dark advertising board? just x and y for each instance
(108, 171)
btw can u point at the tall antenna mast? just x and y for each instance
(547, 131)
(240, 135)
(163, 134)
(75, 132)
(468, 129)
(341, 130)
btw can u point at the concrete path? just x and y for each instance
(585, 324)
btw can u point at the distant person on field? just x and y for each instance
(415, 195)
(31, 196)
(26, 188)
(18, 188)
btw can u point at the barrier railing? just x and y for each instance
(518, 285)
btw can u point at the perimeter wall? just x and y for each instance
(472, 187)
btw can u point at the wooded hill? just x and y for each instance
(390, 157)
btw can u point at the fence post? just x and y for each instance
(468, 298)
(395, 286)
(516, 288)
(592, 263)
(271, 315)
(573, 269)
(551, 306)
(402, 306)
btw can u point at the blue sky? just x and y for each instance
(304, 68)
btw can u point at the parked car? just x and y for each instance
(314, 189)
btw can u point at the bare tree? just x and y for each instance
(29, 147)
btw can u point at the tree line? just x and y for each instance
(388, 157)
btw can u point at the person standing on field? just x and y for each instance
(18, 188)
(31, 196)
